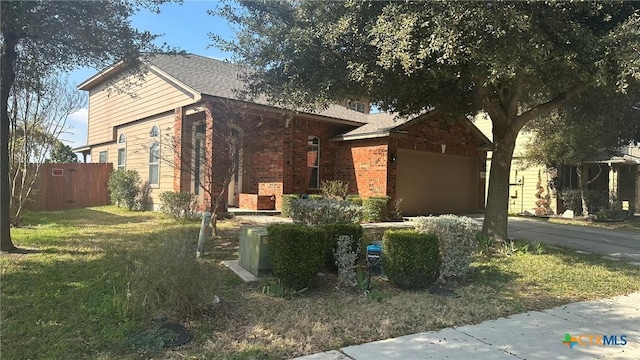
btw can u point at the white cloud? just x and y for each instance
(81, 116)
(77, 133)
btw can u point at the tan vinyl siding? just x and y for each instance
(483, 123)
(107, 110)
(137, 151)
(523, 187)
(522, 195)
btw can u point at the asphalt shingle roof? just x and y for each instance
(379, 123)
(223, 79)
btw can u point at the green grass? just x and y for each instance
(101, 274)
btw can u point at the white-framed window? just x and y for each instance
(199, 156)
(313, 161)
(154, 163)
(154, 157)
(103, 156)
(155, 132)
(121, 158)
(356, 105)
(122, 151)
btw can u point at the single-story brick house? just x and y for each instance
(435, 165)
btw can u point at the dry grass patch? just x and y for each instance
(632, 224)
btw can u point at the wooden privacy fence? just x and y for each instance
(71, 186)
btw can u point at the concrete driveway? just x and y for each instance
(615, 243)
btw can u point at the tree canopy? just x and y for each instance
(514, 60)
(594, 126)
(44, 37)
(62, 154)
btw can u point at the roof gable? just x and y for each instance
(383, 124)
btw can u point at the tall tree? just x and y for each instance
(514, 60)
(44, 37)
(37, 118)
(591, 126)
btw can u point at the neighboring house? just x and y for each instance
(525, 179)
(434, 165)
(620, 178)
(618, 183)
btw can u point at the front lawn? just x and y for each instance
(102, 274)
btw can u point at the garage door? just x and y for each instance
(431, 183)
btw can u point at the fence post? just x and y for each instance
(204, 233)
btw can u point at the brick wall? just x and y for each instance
(363, 165)
(297, 159)
(257, 202)
(427, 135)
(264, 157)
(276, 161)
(272, 189)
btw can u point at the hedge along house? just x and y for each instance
(435, 165)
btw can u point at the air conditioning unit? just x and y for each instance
(254, 250)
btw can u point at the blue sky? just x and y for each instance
(183, 26)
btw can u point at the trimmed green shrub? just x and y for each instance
(375, 208)
(315, 197)
(297, 252)
(332, 232)
(177, 204)
(411, 259)
(355, 199)
(287, 210)
(334, 189)
(124, 187)
(457, 241)
(318, 212)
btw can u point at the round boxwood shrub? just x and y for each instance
(375, 208)
(286, 209)
(332, 232)
(411, 259)
(177, 204)
(297, 253)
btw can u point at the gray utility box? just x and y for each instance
(254, 250)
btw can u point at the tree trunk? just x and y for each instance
(582, 187)
(7, 76)
(495, 217)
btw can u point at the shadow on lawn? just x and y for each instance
(570, 257)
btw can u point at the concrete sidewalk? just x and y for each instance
(532, 335)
